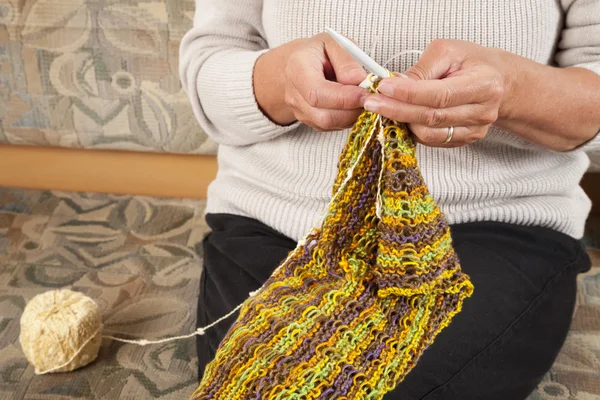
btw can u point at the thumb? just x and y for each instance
(434, 63)
(347, 70)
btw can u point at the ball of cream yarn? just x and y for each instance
(61, 330)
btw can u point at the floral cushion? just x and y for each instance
(96, 74)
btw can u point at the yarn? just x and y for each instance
(60, 331)
(346, 315)
(353, 307)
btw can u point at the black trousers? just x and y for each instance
(498, 348)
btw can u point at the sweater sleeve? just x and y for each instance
(217, 58)
(579, 45)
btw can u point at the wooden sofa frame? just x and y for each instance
(122, 172)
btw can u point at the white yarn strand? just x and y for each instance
(197, 332)
(379, 203)
(145, 342)
(401, 54)
(350, 173)
(373, 46)
(301, 243)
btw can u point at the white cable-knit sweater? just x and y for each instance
(283, 176)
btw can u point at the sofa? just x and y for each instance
(100, 77)
(96, 75)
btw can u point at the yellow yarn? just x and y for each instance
(60, 331)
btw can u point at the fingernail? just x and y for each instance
(385, 88)
(372, 105)
(364, 98)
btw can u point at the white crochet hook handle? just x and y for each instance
(359, 55)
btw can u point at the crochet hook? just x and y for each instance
(359, 55)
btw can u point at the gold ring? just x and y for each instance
(450, 134)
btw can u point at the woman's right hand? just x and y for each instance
(313, 81)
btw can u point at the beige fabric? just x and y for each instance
(96, 74)
(61, 330)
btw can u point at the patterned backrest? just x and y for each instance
(96, 74)
(99, 74)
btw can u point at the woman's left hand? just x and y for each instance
(455, 84)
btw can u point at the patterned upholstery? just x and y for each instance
(140, 258)
(99, 74)
(96, 74)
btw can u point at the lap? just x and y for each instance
(239, 255)
(510, 331)
(498, 347)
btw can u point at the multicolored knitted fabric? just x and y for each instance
(351, 310)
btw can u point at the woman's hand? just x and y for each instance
(310, 80)
(469, 87)
(455, 84)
